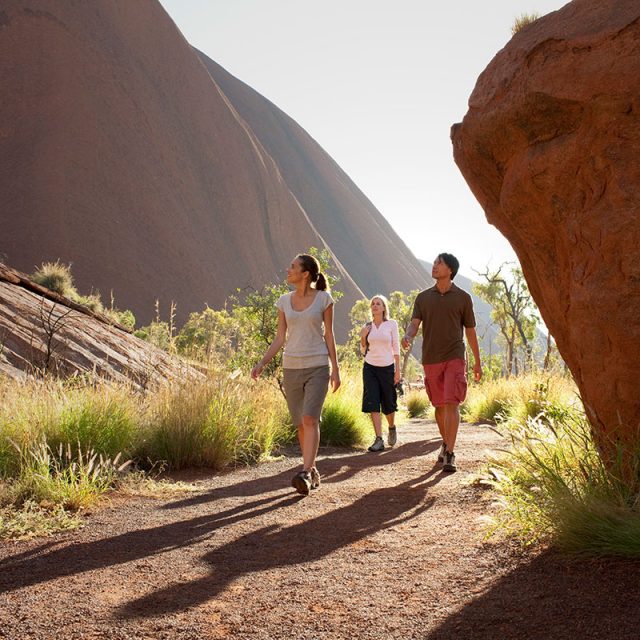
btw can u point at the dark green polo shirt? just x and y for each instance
(444, 317)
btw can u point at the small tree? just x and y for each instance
(258, 320)
(210, 336)
(358, 315)
(513, 311)
(401, 310)
(53, 322)
(328, 268)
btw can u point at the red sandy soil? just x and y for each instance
(388, 547)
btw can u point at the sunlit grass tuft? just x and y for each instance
(214, 423)
(417, 403)
(519, 398)
(552, 485)
(343, 423)
(33, 521)
(57, 277)
(522, 21)
(65, 477)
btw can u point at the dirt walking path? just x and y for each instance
(389, 547)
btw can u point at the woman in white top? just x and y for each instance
(380, 344)
(305, 324)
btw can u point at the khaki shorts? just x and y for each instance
(306, 390)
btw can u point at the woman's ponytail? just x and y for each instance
(321, 282)
(310, 264)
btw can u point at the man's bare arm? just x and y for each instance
(472, 340)
(411, 332)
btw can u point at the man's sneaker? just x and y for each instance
(393, 436)
(449, 462)
(378, 445)
(315, 478)
(443, 450)
(301, 482)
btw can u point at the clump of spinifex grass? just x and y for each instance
(417, 403)
(57, 277)
(50, 486)
(214, 423)
(516, 399)
(70, 478)
(343, 424)
(554, 486)
(104, 418)
(59, 442)
(522, 21)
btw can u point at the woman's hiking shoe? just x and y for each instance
(449, 462)
(315, 478)
(393, 436)
(378, 445)
(443, 450)
(301, 482)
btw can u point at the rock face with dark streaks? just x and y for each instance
(121, 154)
(550, 147)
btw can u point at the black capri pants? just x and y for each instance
(378, 389)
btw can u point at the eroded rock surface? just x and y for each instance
(44, 333)
(550, 147)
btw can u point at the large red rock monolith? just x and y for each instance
(550, 147)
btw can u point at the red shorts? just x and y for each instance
(446, 382)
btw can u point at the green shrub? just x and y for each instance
(125, 318)
(417, 403)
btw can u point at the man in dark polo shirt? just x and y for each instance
(446, 312)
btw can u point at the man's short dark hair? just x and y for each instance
(452, 262)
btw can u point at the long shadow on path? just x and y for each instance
(333, 469)
(312, 540)
(27, 569)
(554, 597)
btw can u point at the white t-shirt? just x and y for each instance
(384, 344)
(305, 346)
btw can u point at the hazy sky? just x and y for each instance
(378, 85)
